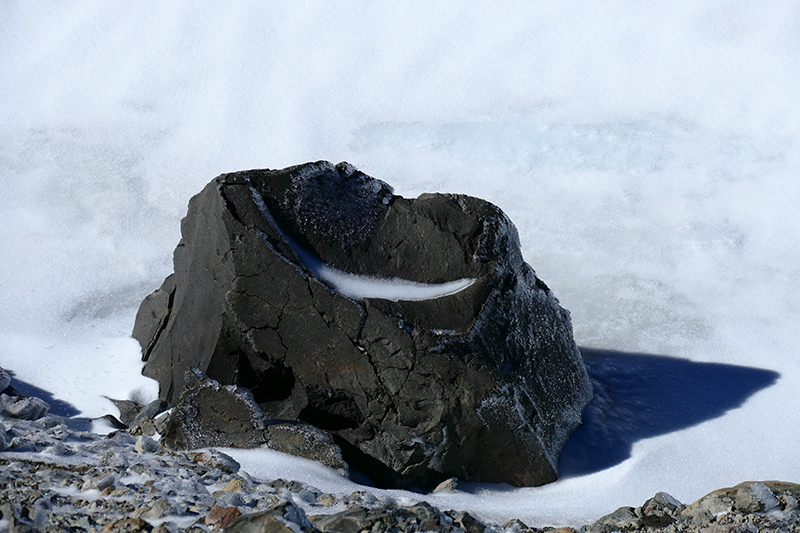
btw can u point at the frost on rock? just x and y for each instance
(338, 203)
(409, 330)
(209, 414)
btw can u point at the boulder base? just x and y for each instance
(411, 330)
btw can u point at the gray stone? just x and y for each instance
(149, 412)
(159, 508)
(283, 518)
(209, 414)
(305, 440)
(152, 315)
(482, 384)
(228, 499)
(5, 440)
(515, 525)
(215, 459)
(24, 407)
(160, 422)
(470, 524)
(128, 410)
(99, 482)
(745, 498)
(660, 510)
(448, 485)
(145, 444)
(624, 519)
(21, 444)
(5, 380)
(391, 517)
(50, 421)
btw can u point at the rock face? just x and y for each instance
(410, 329)
(212, 415)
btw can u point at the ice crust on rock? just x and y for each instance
(338, 203)
(479, 379)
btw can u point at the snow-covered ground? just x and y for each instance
(648, 154)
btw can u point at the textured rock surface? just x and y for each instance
(87, 482)
(209, 414)
(25, 407)
(14, 404)
(485, 383)
(746, 508)
(5, 380)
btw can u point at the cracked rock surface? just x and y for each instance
(483, 383)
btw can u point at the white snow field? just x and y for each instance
(649, 154)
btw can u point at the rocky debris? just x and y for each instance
(745, 508)
(210, 414)
(5, 441)
(149, 412)
(448, 485)
(5, 380)
(221, 516)
(305, 440)
(88, 482)
(16, 405)
(274, 291)
(137, 418)
(214, 459)
(283, 518)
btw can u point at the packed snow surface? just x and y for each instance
(647, 153)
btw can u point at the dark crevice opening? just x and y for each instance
(271, 385)
(380, 475)
(325, 419)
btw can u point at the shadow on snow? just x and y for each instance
(638, 396)
(57, 407)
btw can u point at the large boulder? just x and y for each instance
(410, 329)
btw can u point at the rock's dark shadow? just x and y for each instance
(638, 396)
(57, 407)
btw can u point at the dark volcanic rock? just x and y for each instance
(481, 380)
(209, 414)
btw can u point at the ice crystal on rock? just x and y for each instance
(338, 203)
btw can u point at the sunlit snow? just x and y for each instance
(647, 153)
